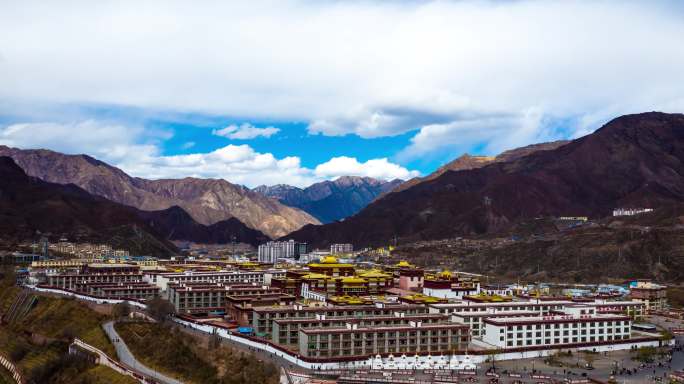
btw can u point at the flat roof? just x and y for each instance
(291, 308)
(351, 319)
(553, 319)
(396, 328)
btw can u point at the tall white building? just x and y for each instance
(274, 250)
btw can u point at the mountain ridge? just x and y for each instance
(208, 201)
(29, 204)
(634, 160)
(330, 201)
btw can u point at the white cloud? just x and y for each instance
(245, 132)
(134, 151)
(366, 68)
(188, 145)
(492, 134)
(107, 141)
(376, 168)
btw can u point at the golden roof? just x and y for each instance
(422, 298)
(352, 279)
(374, 273)
(329, 260)
(315, 276)
(445, 274)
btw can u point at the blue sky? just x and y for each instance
(297, 91)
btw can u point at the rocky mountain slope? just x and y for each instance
(208, 201)
(29, 204)
(466, 162)
(330, 201)
(633, 161)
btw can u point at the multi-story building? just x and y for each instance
(578, 324)
(226, 277)
(131, 291)
(70, 281)
(540, 307)
(475, 320)
(262, 319)
(630, 211)
(654, 296)
(356, 340)
(274, 250)
(444, 285)
(194, 298)
(337, 249)
(286, 331)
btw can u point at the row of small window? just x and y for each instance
(565, 340)
(519, 335)
(567, 325)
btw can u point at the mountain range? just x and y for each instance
(29, 205)
(330, 201)
(632, 161)
(207, 201)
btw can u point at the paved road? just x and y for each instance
(127, 358)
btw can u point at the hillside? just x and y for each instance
(633, 161)
(208, 201)
(466, 162)
(29, 205)
(330, 201)
(649, 246)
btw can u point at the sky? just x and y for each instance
(296, 92)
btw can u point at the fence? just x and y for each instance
(103, 359)
(16, 375)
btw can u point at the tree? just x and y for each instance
(121, 310)
(159, 309)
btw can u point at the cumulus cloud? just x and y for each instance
(403, 66)
(245, 132)
(133, 150)
(350, 166)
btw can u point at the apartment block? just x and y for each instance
(286, 331)
(579, 324)
(356, 340)
(262, 320)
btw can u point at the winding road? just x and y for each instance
(127, 358)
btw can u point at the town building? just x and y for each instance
(445, 285)
(338, 249)
(576, 324)
(654, 296)
(356, 340)
(274, 250)
(286, 331)
(262, 319)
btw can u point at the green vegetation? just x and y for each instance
(38, 342)
(169, 350)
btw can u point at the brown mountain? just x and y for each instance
(466, 162)
(633, 161)
(330, 201)
(208, 201)
(29, 204)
